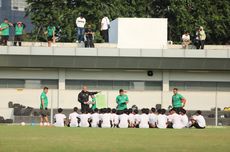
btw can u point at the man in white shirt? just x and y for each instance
(106, 118)
(144, 119)
(161, 119)
(186, 40)
(95, 118)
(73, 118)
(84, 119)
(175, 119)
(152, 118)
(184, 118)
(198, 121)
(59, 118)
(123, 119)
(80, 22)
(105, 25)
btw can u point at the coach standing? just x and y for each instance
(122, 100)
(178, 101)
(83, 98)
(43, 107)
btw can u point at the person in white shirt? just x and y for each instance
(59, 118)
(95, 118)
(137, 118)
(106, 118)
(184, 118)
(144, 118)
(175, 119)
(105, 25)
(80, 22)
(114, 118)
(131, 118)
(186, 40)
(84, 119)
(198, 121)
(123, 119)
(161, 119)
(73, 118)
(152, 118)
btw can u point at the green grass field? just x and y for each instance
(39, 139)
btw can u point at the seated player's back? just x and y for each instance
(95, 120)
(123, 121)
(152, 119)
(144, 121)
(176, 120)
(162, 121)
(184, 119)
(73, 117)
(114, 119)
(60, 120)
(106, 120)
(200, 120)
(84, 120)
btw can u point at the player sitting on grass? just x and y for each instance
(175, 119)
(198, 120)
(95, 118)
(144, 118)
(123, 119)
(114, 118)
(137, 118)
(73, 118)
(131, 118)
(152, 118)
(84, 119)
(184, 118)
(161, 119)
(106, 118)
(60, 118)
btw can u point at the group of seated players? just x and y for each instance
(130, 118)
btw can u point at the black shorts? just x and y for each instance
(18, 38)
(196, 125)
(5, 37)
(178, 109)
(44, 112)
(50, 38)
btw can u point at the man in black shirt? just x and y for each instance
(83, 98)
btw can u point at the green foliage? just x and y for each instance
(183, 15)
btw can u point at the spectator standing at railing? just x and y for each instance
(197, 38)
(19, 27)
(202, 37)
(51, 34)
(80, 22)
(5, 31)
(89, 34)
(186, 40)
(105, 25)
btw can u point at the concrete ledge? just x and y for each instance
(195, 53)
(217, 53)
(130, 52)
(151, 53)
(86, 52)
(19, 50)
(41, 51)
(3, 49)
(64, 51)
(108, 52)
(173, 53)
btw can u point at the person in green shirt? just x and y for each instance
(19, 27)
(93, 102)
(51, 34)
(122, 100)
(44, 107)
(5, 31)
(178, 101)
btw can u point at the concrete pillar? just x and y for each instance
(61, 85)
(165, 89)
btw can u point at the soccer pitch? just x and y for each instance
(51, 139)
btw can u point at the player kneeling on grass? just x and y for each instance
(144, 119)
(60, 118)
(84, 118)
(161, 119)
(95, 118)
(175, 120)
(137, 118)
(131, 118)
(123, 119)
(114, 118)
(73, 118)
(152, 118)
(184, 118)
(198, 120)
(106, 118)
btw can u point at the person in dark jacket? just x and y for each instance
(83, 98)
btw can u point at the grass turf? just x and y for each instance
(39, 139)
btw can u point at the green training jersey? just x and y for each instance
(121, 102)
(19, 30)
(6, 31)
(45, 99)
(94, 105)
(176, 100)
(51, 30)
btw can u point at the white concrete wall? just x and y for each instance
(139, 33)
